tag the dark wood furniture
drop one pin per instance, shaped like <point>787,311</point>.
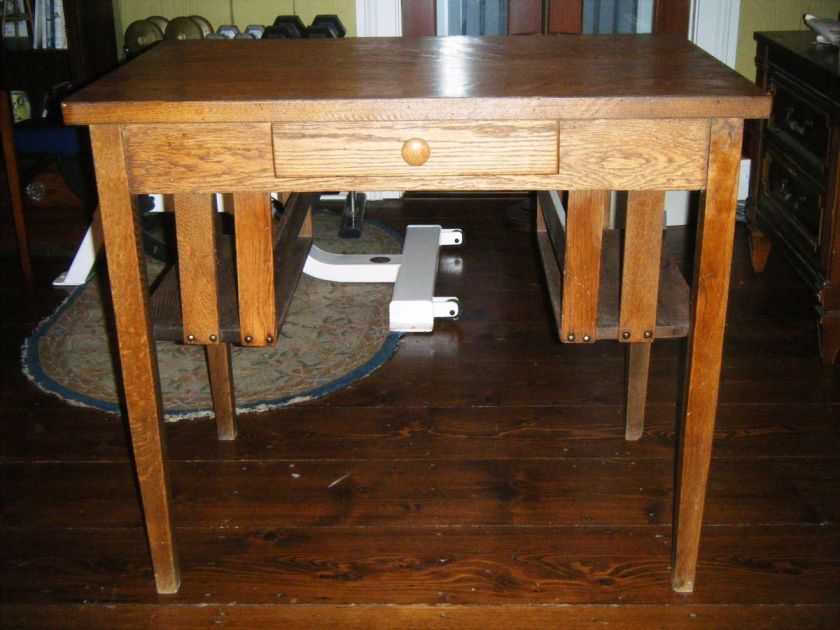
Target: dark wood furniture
<point>91,51</point>
<point>646,113</point>
<point>795,196</point>
<point>15,186</point>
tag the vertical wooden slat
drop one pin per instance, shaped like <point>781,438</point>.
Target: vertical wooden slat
<point>255,268</point>
<point>638,364</point>
<point>640,268</point>
<point>195,229</point>
<point>419,18</point>
<point>525,17</point>
<point>15,190</point>
<point>581,275</point>
<point>220,371</point>
<point>671,16</point>
<point>709,292</point>
<point>565,16</point>
<point>129,288</point>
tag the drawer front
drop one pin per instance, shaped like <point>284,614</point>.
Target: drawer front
<point>799,120</point>
<point>405,148</point>
<point>795,201</point>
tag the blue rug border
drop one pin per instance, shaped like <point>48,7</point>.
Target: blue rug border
<point>32,366</point>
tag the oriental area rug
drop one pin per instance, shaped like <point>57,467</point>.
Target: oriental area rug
<point>333,335</point>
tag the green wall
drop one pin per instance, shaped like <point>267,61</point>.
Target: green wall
<point>239,12</point>
<point>773,15</point>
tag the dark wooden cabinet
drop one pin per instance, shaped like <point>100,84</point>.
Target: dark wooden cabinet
<point>794,205</point>
<point>91,51</point>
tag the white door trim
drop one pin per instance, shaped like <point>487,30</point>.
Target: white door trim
<point>378,18</point>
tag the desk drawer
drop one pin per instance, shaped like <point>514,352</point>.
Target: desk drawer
<point>405,148</point>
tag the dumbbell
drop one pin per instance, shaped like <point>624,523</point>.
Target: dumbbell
<point>160,21</point>
<point>256,30</point>
<point>204,23</point>
<point>182,28</point>
<point>229,31</point>
<point>140,35</point>
<point>291,25</point>
<point>326,26</point>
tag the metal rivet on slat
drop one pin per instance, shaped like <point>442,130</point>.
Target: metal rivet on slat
<point>625,334</point>
<point>213,338</point>
<point>648,334</point>
<point>571,337</point>
<point>190,337</point>
<point>269,339</point>
<point>587,338</point>
<point>249,339</point>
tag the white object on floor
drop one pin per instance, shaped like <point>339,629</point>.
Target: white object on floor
<point>414,306</point>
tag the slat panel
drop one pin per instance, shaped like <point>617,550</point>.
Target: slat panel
<point>255,268</point>
<point>634,154</point>
<point>581,275</point>
<point>455,148</point>
<point>640,271</point>
<point>195,229</point>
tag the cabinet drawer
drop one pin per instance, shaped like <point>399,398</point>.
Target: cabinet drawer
<point>800,120</point>
<point>406,148</point>
<point>795,200</point>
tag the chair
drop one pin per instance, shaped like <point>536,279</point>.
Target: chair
<point>222,291</point>
<point>48,138</point>
<point>603,286</point>
<point>15,186</point>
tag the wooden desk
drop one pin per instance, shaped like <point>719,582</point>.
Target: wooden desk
<point>563,113</point>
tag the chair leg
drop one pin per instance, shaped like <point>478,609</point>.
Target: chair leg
<point>15,188</point>
<point>638,362</point>
<point>221,389</point>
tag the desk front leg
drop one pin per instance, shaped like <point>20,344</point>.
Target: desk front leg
<point>709,294</point>
<point>130,294</point>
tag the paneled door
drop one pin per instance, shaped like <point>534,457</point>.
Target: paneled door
<point>520,17</point>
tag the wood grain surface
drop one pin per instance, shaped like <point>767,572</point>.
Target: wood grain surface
<point>423,78</point>
<point>195,228</point>
<point>374,149</point>
<point>141,385</point>
<point>709,288</point>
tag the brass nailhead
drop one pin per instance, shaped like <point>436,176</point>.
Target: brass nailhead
<point>625,334</point>
<point>648,334</point>
<point>190,337</point>
<point>249,339</point>
<point>587,338</point>
<point>269,339</point>
<point>571,337</point>
<point>213,338</point>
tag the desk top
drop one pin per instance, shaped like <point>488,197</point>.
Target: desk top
<point>436,78</point>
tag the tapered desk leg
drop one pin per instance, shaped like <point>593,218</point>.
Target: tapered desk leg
<point>129,289</point>
<point>715,233</point>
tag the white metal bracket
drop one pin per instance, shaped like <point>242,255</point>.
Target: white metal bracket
<point>414,306</point>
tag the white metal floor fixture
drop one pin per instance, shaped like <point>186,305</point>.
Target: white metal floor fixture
<point>414,306</point>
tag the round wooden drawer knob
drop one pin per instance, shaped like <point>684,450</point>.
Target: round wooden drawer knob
<point>416,151</point>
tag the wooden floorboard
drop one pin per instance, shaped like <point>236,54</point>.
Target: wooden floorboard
<point>478,479</point>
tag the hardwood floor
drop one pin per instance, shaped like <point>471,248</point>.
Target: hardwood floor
<point>485,481</point>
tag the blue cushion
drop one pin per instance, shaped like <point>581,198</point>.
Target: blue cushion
<point>46,139</point>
